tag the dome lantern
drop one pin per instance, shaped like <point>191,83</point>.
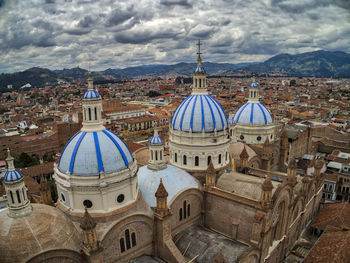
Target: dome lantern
<point>16,191</point>
<point>156,148</point>
<point>199,76</point>
<point>92,109</point>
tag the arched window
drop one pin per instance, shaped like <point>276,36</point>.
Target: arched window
<point>13,201</point>
<point>151,154</point>
<point>184,160</point>
<point>156,152</point>
<point>209,159</point>
<point>330,188</point>
<point>18,197</point>
<point>196,161</point>
<point>127,239</point>
<point>133,239</point>
<point>122,245</point>
<point>189,210</point>
<point>95,113</point>
<point>89,114</point>
<point>185,210</point>
<point>219,161</point>
<point>161,155</point>
<point>23,193</point>
<point>175,157</point>
<point>180,214</point>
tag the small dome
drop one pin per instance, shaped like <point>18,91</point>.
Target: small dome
<point>13,175</point>
<point>199,69</point>
<point>254,84</point>
<point>89,153</point>
<point>91,94</point>
<point>174,180</point>
<point>198,112</point>
<point>156,139</point>
<point>252,113</point>
<point>45,229</point>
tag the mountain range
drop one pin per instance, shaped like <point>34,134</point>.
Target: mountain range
<point>311,64</point>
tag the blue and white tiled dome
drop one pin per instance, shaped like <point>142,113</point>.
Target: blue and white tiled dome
<point>89,153</point>
<point>156,139</point>
<point>198,112</point>
<point>199,69</point>
<point>174,179</point>
<point>253,113</point>
<point>13,175</point>
<point>91,94</point>
<point>254,84</point>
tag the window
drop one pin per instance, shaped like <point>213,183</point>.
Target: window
<point>151,154</point>
<point>120,198</point>
<point>18,197</point>
<point>188,210</point>
<point>156,152</point>
<point>241,137</point>
<point>196,161</point>
<point>87,203</point>
<point>180,214</point>
<point>185,214</point>
<point>63,198</point>
<point>89,114</point>
<point>184,160</point>
<point>258,138</point>
<point>219,161</point>
<point>226,156</point>
<point>126,242</point>
<point>161,155</point>
<point>12,197</point>
<point>175,157</point>
<point>209,159</point>
<point>122,245</point>
<point>95,113</point>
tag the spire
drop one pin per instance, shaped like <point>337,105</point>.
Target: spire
<point>90,82</point>
<point>210,176</point>
<point>199,60</point>
<point>162,204</point>
<point>199,75</point>
<point>10,161</point>
<point>87,222</point>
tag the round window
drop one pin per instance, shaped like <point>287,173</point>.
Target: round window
<point>63,198</point>
<point>258,138</point>
<point>87,203</point>
<point>120,198</point>
<point>241,137</point>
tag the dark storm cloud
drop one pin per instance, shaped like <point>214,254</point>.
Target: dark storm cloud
<point>170,3</point>
<point>118,16</point>
<point>142,37</point>
<point>87,21</point>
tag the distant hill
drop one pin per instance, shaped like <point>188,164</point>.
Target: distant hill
<point>318,64</point>
<point>185,69</point>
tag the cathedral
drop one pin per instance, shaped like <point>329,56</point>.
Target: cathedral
<point>226,192</point>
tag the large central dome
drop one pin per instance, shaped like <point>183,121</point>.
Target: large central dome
<point>89,153</point>
<point>199,112</point>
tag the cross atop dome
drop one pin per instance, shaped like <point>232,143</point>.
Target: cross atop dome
<point>199,60</point>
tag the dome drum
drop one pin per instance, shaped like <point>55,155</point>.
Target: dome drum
<point>102,191</point>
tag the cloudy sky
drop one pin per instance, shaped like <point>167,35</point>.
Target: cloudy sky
<point>103,34</point>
